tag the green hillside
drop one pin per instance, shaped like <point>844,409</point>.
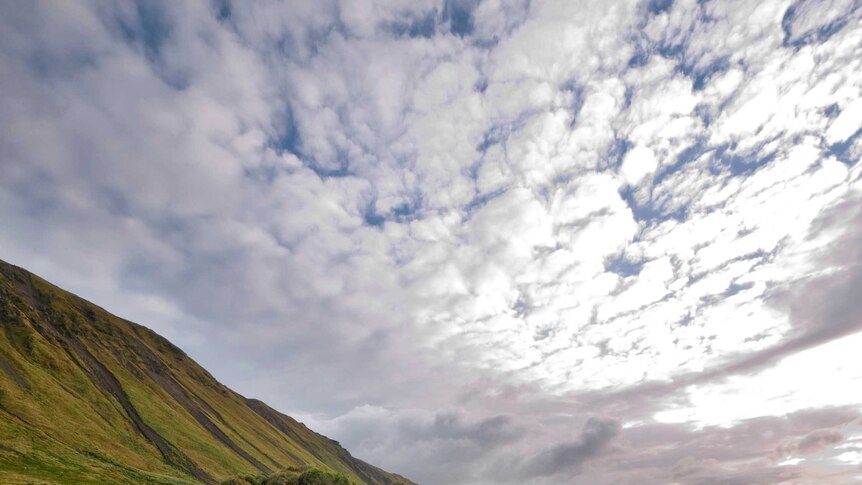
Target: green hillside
<point>89,398</point>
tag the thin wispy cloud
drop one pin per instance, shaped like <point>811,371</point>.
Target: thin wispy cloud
<point>476,241</point>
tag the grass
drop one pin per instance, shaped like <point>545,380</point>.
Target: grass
<point>80,389</point>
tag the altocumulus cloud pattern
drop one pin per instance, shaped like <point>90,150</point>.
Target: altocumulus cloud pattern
<point>478,242</point>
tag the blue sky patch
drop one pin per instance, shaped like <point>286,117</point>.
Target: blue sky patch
<point>650,212</point>
<point>841,150</point>
<point>459,15</point>
<point>149,29</point>
<point>424,26</point>
<point>288,138</point>
<point>741,164</point>
<point>657,7</point>
<point>622,266</point>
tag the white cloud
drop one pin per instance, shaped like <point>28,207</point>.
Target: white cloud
<point>798,382</point>
<point>638,163</point>
<point>846,124</point>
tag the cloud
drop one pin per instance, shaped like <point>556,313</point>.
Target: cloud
<point>464,229</point>
<point>818,440</point>
<point>639,162</point>
<point>806,21</point>
<point>595,437</point>
<point>440,447</point>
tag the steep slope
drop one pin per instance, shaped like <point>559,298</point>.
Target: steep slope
<point>87,397</point>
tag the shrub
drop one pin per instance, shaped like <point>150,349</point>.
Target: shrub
<point>292,476</point>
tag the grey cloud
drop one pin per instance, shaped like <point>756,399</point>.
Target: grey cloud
<point>595,437</point>
<point>745,453</point>
<point>818,440</point>
<point>440,447</point>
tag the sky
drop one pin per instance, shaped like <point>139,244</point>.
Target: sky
<point>476,241</point>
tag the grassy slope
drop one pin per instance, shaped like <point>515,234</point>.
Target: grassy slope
<point>87,397</point>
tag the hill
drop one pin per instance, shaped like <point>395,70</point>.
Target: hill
<point>90,398</point>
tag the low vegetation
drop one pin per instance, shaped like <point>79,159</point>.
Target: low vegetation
<point>89,398</point>
<point>293,476</point>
